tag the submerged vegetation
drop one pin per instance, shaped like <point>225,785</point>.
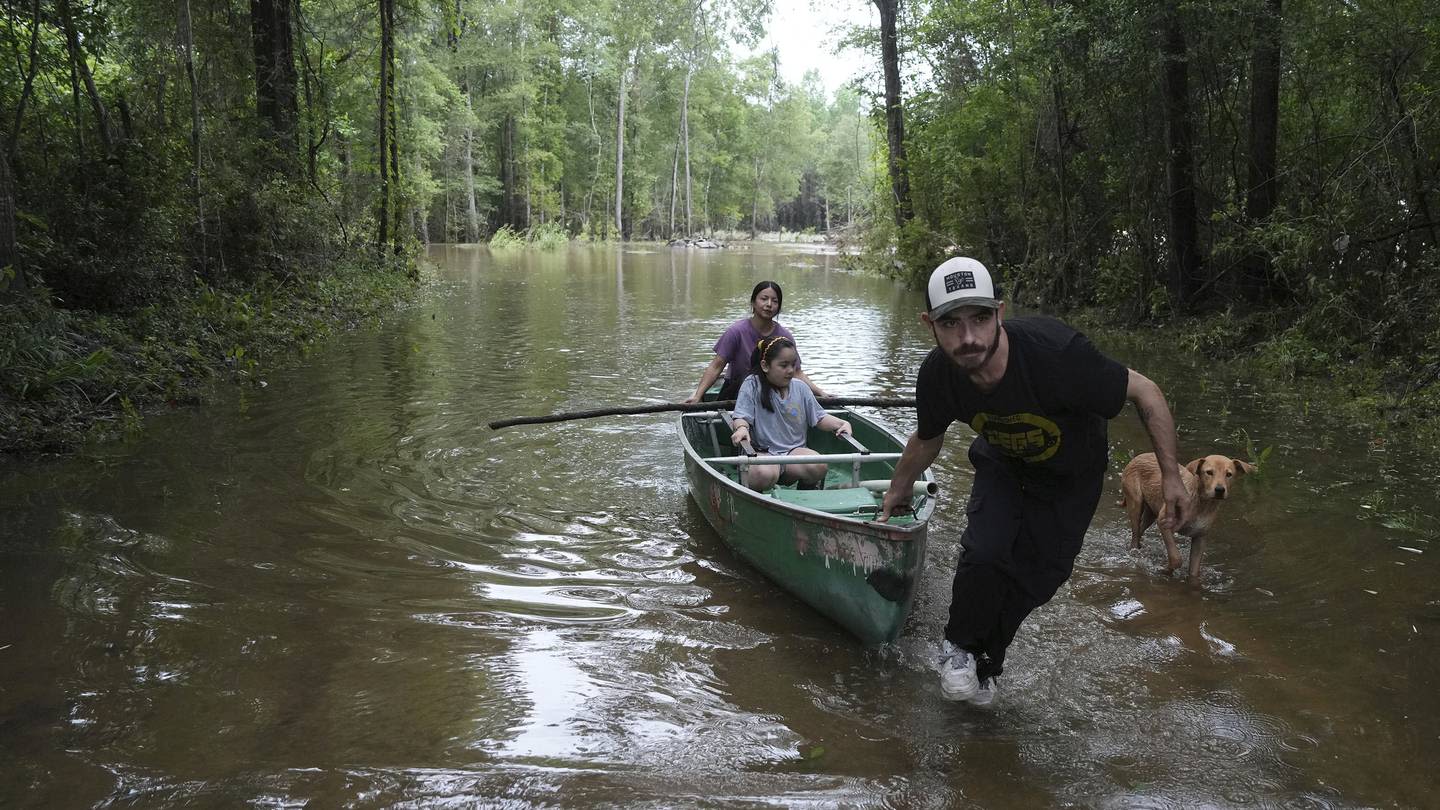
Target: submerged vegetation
<point>67,377</point>
<point>546,236</point>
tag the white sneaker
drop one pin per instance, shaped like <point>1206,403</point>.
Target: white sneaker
<point>985,695</point>
<point>957,673</point>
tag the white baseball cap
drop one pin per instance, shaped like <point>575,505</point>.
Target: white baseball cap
<point>960,282</point>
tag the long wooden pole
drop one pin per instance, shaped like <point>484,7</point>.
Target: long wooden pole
<point>668,407</point>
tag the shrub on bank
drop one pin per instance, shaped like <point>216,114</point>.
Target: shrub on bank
<point>545,236</point>
<point>67,376</point>
<point>506,239</point>
<point>548,236</point>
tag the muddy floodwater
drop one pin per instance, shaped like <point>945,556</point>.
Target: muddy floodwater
<point>343,589</point>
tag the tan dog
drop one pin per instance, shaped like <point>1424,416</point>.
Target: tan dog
<point>1209,481</point>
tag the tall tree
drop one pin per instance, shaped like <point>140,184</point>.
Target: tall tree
<point>272,38</point>
<point>622,97</point>
<point>1261,191</point>
<point>1180,161</point>
<point>685,138</point>
<point>187,59</point>
<point>9,255</point>
<point>894,113</point>
<point>396,198</point>
<point>388,169</point>
<point>80,64</point>
<point>513,206</point>
<point>32,67</point>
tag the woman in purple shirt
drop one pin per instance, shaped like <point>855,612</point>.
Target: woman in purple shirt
<point>735,347</point>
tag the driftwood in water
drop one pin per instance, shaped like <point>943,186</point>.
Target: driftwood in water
<point>666,407</point>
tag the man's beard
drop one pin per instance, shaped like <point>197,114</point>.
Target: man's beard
<point>975,360</point>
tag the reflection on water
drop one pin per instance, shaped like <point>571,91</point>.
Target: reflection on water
<point>345,589</point>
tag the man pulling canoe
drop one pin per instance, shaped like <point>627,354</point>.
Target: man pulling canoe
<point>1037,394</point>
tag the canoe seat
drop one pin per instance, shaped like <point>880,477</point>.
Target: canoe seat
<point>834,501</point>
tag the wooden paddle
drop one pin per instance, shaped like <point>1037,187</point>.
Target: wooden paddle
<point>667,407</point>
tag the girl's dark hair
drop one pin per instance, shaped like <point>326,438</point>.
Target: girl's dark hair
<point>769,285</point>
<point>765,352</point>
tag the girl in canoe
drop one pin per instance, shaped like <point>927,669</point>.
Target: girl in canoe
<point>736,345</point>
<point>781,408</point>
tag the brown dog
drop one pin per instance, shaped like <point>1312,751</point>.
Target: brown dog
<point>1209,480</point>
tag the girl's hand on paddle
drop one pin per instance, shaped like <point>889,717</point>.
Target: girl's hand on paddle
<point>690,400</point>
<point>742,433</point>
<point>844,429</point>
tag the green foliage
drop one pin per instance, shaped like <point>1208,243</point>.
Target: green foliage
<point>545,236</point>
<point>920,251</point>
<point>505,238</point>
<point>1118,282</point>
<point>548,236</point>
<point>66,375</point>
<point>1254,456</point>
<point>1032,146</point>
<point>38,352</point>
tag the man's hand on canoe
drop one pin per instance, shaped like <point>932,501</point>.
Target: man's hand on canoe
<point>897,501</point>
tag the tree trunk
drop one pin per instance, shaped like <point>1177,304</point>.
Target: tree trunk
<point>1263,193</point>
<point>387,67</point>
<point>755,202</point>
<point>187,56</point>
<point>272,41</point>
<point>620,150</point>
<point>674,185</point>
<point>599,155</point>
<point>309,79</point>
<point>859,167</point>
<point>12,144</point>
<point>396,199</point>
<point>509,194</point>
<point>1061,274</point>
<point>705,202</point>
<point>894,113</point>
<point>9,253</point>
<point>419,214</point>
<point>1179,165</point>
<point>685,134</point>
<point>1404,129</point>
<point>81,66</point>
<point>454,18</point>
<point>347,175</point>
<point>472,212</point>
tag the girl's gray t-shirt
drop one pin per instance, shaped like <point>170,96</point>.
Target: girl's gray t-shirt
<point>783,429</point>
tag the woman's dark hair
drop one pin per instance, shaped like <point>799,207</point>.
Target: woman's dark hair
<point>765,352</point>
<point>769,285</point>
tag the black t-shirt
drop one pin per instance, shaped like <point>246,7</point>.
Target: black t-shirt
<point>1046,418</point>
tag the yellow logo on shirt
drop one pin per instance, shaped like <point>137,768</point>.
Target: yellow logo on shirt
<point>1025,436</point>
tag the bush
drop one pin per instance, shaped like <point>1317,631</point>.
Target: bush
<point>549,236</point>
<point>920,251</point>
<point>506,238</point>
<point>67,375</point>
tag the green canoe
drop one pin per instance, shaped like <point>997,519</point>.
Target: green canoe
<point>823,546</point>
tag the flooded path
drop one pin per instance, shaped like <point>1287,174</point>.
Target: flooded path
<point>344,589</point>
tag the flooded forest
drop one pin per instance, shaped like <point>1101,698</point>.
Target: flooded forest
<point>267,268</point>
